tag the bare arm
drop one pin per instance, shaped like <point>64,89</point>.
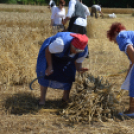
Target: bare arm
<point>79,67</point>
<point>65,20</point>
<point>130,52</point>
<point>101,13</point>
<point>49,69</point>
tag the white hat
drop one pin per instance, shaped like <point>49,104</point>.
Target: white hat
<point>56,46</point>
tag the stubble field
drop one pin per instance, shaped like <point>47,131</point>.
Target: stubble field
<point>22,32</point>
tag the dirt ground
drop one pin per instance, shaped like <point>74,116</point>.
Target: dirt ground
<point>21,36</point>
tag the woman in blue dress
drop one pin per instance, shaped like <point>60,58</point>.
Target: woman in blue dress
<point>125,41</point>
<point>59,58</point>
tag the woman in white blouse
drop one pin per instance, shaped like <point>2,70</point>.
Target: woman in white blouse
<point>57,17</point>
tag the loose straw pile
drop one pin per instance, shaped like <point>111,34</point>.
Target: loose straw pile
<point>95,100</point>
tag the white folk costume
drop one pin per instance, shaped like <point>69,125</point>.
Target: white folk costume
<point>58,15</point>
<point>76,13</point>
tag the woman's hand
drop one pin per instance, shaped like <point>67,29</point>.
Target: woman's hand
<point>83,70</point>
<point>65,20</point>
<point>130,52</point>
<point>49,71</point>
<point>79,67</point>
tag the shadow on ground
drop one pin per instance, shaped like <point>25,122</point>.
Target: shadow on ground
<point>25,103</point>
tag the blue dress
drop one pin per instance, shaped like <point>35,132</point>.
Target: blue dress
<point>124,39</point>
<point>63,64</point>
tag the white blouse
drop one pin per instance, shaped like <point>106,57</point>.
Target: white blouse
<point>58,15</point>
<point>71,8</point>
<point>52,8</point>
<point>98,8</point>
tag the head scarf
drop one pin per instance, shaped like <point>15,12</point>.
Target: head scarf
<point>80,41</point>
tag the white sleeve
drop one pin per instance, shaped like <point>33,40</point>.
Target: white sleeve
<point>87,12</point>
<point>71,8</point>
<point>56,46</point>
<point>64,13</point>
<point>50,3</point>
<point>81,59</point>
<point>54,11</point>
<point>99,8</point>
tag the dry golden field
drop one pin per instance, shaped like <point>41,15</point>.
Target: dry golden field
<point>22,32</point>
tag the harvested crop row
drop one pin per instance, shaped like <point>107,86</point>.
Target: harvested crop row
<point>95,100</point>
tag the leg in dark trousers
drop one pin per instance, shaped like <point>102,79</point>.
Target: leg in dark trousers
<point>96,16</point>
<point>93,10</point>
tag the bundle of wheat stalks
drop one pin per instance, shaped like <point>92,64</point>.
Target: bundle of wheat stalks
<point>95,100</point>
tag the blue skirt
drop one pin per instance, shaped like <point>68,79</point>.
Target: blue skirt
<point>53,84</point>
<point>63,75</point>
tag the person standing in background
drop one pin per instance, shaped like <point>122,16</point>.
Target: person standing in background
<point>76,15</point>
<point>52,5</point>
<point>57,17</point>
<point>95,9</point>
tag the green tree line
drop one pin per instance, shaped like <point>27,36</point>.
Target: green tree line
<point>89,3</point>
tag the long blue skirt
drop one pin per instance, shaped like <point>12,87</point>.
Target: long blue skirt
<point>63,75</point>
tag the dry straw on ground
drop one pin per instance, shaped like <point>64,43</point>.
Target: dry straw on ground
<point>118,10</point>
<point>22,34</point>
<point>23,8</point>
<point>94,100</point>
<point>20,45</point>
<point>105,16</point>
<point>21,40</point>
<point>97,28</point>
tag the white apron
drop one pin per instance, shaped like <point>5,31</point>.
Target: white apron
<point>126,83</point>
